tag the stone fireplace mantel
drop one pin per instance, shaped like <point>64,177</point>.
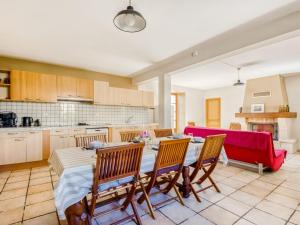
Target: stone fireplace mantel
<point>267,115</point>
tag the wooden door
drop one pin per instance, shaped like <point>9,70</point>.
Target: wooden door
<point>84,88</point>
<point>66,87</point>
<point>34,146</point>
<point>213,112</point>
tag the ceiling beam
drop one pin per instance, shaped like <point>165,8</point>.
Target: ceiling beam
<point>275,26</point>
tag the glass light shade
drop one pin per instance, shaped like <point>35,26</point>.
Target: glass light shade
<point>130,20</point>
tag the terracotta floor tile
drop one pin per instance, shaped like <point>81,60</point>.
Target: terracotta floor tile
<point>39,197</point>
<point>18,179</point>
<point>4,175</point>
<point>176,212</point>
<point>234,206</point>
<point>13,194</point>
<point>255,190</point>
<point>11,216</point>
<point>271,180</point>
<point>245,198</point>
<point>219,216</point>
<point>37,181</point>
<point>159,219</point>
<point>39,209</point>
<point>295,218</point>
<point>40,169</point>
<point>225,189</point>
<point>259,217</point>
<point>49,219</point>
<point>233,183</point>
<point>3,180</point>
<point>9,204</point>
<point>197,219</point>
<point>39,188</point>
<point>243,222</point>
<point>211,196</point>
<point>18,173</point>
<point>283,200</point>
<point>17,185</point>
<point>275,209</point>
<point>40,175</point>
<point>196,206</point>
<point>288,192</point>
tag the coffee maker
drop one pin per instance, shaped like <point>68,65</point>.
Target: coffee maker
<point>8,119</point>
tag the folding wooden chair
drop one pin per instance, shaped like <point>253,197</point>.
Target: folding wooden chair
<point>117,169</point>
<point>167,169</point>
<point>84,140</point>
<point>163,132</point>
<point>207,162</point>
<point>128,136</point>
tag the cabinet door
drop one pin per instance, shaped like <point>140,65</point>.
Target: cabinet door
<point>101,92</point>
<point>132,98</point>
<point>66,87</point>
<point>31,86</point>
<point>71,141</point>
<point>58,142</point>
<point>47,91</point>
<point>34,146</point>
<point>148,99</point>
<point>13,151</point>
<point>17,80</point>
<point>85,88</point>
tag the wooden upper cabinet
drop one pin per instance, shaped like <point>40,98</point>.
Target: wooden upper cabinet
<point>30,86</point>
<point>101,92</point>
<point>47,90</point>
<point>148,99</point>
<point>75,88</point>
<point>85,88</point>
<point>66,87</point>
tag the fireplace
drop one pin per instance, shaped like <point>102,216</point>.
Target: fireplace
<point>267,127</point>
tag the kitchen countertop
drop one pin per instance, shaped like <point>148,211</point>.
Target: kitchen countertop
<point>41,128</point>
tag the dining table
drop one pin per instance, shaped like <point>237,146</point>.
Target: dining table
<point>75,168</point>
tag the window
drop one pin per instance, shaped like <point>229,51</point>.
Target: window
<point>174,104</point>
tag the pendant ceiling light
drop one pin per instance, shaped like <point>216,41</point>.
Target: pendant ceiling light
<point>129,20</point>
<point>238,82</point>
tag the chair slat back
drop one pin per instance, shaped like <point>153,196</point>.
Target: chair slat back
<point>211,149</point>
<point>114,163</point>
<point>163,132</point>
<point>235,126</point>
<point>83,140</point>
<point>128,136</point>
<point>171,153</point>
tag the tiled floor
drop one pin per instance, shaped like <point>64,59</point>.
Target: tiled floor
<point>246,198</point>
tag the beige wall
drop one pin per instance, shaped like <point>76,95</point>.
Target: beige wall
<point>274,84</point>
<point>7,63</point>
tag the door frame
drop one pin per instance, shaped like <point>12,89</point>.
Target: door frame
<point>206,106</point>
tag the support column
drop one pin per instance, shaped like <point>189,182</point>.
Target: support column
<point>164,101</point>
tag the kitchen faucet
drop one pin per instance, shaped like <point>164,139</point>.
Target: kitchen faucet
<point>128,120</point>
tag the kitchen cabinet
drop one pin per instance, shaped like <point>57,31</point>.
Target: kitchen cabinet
<point>30,86</point>
<point>34,146</point>
<point>58,142</point>
<point>101,93</point>
<point>75,88</point>
<point>20,147</point>
<point>148,99</point>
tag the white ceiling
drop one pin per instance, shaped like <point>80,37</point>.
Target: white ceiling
<point>80,33</point>
<point>279,58</point>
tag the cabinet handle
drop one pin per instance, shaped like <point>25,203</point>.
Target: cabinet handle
<point>18,139</point>
<point>12,133</point>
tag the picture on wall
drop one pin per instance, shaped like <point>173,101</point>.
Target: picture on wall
<point>258,108</point>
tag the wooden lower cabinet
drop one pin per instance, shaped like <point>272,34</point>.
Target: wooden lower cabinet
<point>21,147</point>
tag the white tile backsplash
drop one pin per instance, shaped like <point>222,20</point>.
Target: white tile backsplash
<point>71,113</point>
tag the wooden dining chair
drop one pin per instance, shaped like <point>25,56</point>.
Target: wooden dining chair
<point>235,126</point>
<point>191,123</point>
<point>83,140</point>
<point>128,136</point>
<point>207,162</point>
<point>163,132</point>
<point>117,169</point>
<point>168,165</point>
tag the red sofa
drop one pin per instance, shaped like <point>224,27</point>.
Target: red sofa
<point>246,146</point>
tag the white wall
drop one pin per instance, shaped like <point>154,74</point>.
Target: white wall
<point>293,92</point>
<point>193,105</point>
<point>231,100</point>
